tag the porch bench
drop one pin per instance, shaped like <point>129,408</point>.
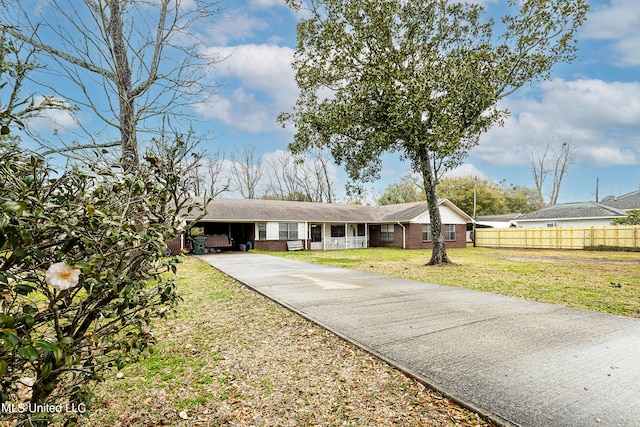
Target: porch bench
<point>218,241</point>
<point>295,245</point>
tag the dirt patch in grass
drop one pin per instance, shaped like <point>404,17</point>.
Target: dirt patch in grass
<point>233,358</point>
<point>563,259</point>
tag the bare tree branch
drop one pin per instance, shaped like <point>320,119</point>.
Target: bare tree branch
<point>552,160</point>
<point>129,60</point>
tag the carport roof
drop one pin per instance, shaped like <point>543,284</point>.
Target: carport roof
<point>253,210</point>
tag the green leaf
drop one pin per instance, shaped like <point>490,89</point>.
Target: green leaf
<point>30,353</point>
<point>46,369</point>
<point>13,206</point>
<point>10,340</point>
<point>7,321</point>
<point>45,345</point>
<point>29,309</point>
<point>29,321</point>
<point>66,340</point>
<point>24,289</point>
<point>58,354</point>
<point>18,254</point>
<point>57,418</point>
<point>4,367</point>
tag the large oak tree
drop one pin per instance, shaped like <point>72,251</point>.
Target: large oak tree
<point>421,78</point>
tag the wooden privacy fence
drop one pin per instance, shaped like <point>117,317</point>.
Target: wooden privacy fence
<point>559,237</point>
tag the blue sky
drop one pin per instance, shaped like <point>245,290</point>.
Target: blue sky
<point>595,100</point>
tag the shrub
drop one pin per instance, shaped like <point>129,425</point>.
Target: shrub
<point>83,272</point>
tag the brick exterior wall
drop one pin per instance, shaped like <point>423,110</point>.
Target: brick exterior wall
<point>174,245</point>
<point>273,245</point>
<point>414,237</point>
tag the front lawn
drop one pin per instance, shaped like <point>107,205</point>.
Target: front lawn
<point>231,357</point>
<point>607,282</point>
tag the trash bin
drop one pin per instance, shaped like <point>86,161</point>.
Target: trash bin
<point>249,245</point>
<point>199,245</point>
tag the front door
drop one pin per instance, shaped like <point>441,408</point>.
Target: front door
<point>316,236</point>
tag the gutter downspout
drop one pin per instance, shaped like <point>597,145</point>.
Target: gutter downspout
<point>404,235</point>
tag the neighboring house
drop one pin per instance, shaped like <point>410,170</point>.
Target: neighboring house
<point>270,224</point>
<point>497,221</point>
<point>626,202</point>
<point>571,214</point>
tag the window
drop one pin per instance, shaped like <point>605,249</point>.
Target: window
<point>387,233</point>
<point>449,232</point>
<point>337,231</point>
<point>426,233</point>
<point>262,231</point>
<point>361,230</point>
<point>288,230</point>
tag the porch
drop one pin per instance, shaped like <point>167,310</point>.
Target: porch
<point>332,236</point>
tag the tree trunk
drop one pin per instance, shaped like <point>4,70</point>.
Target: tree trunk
<point>124,84</point>
<point>439,252</point>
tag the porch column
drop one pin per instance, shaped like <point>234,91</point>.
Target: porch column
<point>366,235</point>
<point>346,235</point>
<point>324,236</point>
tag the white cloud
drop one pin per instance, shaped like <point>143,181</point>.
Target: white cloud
<point>52,120</point>
<point>265,4</point>
<point>465,169</point>
<point>239,110</point>
<point>236,25</point>
<point>595,114</point>
<point>267,83</point>
<point>266,68</point>
<point>617,22</point>
<point>610,155</point>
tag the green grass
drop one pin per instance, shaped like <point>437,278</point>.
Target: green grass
<point>231,357</point>
<point>606,282</point>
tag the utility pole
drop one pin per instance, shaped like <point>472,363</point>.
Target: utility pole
<point>475,215</point>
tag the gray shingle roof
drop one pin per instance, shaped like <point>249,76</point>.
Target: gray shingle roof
<point>251,210</point>
<point>573,210</point>
<point>626,201</point>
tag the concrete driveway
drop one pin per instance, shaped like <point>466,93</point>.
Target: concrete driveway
<point>518,362</point>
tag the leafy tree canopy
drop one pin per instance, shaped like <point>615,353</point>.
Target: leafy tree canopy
<point>421,78</point>
<point>633,218</point>
<point>405,191</point>
<point>492,198</point>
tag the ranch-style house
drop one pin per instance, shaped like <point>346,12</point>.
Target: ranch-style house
<point>275,225</point>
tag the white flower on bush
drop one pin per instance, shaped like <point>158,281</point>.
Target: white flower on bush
<point>61,276</point>
<point>25,388</point>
